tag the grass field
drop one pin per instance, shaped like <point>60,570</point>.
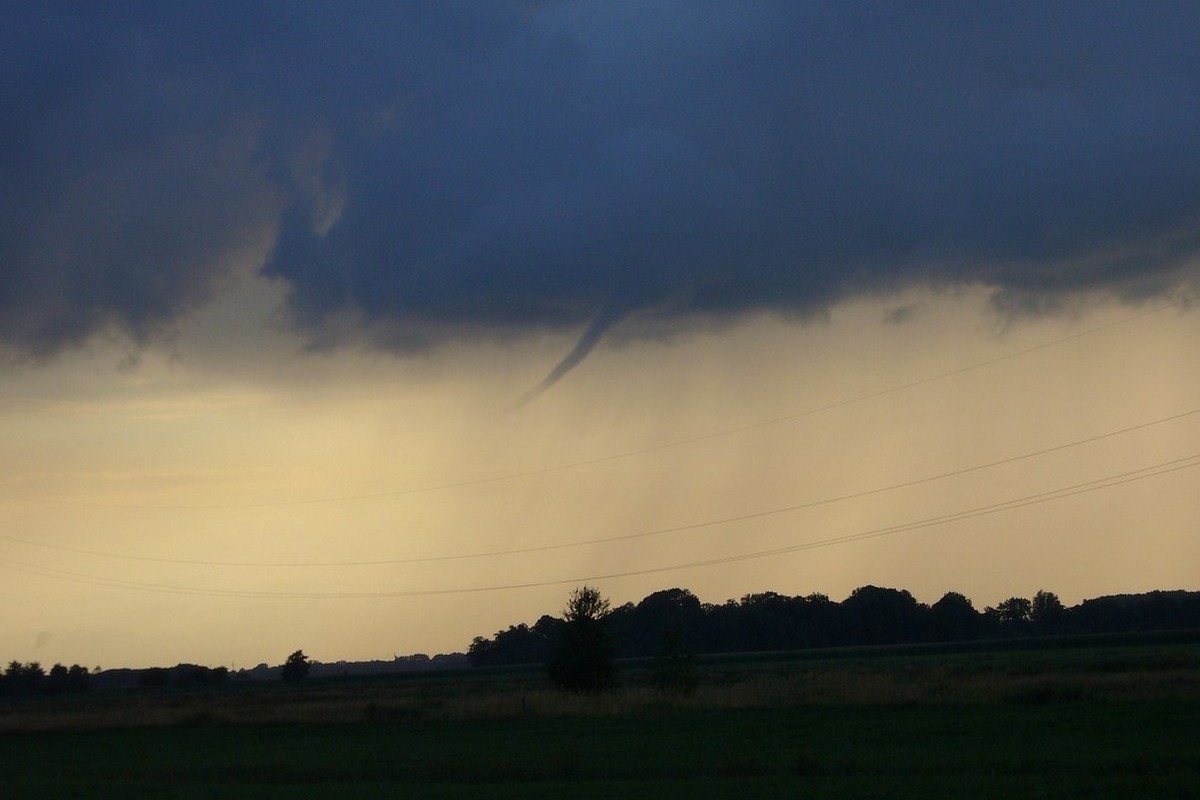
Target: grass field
<point>1117,722</point>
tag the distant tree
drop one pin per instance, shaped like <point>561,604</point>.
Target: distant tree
<point>547,626</point>
<point>990,618</point>
<point>24,678</point>
<point>296,667</point>
<point>954,618</point>
<point>1015,612</point>
<point>1151,611</point>
<point>582,657</point>
<point>1047,611</point>
<point>875,615</point>
<point>480,651</point>
<point>519,644</point>
<point>639,630</point>
<point>57,679</point>
<point>764,621</point>
<point>31,678</point>
<point>77,678</point>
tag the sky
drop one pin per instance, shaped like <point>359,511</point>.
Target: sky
<point>370,330</point>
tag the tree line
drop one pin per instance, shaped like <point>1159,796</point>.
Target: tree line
<point>675,619</point>
<point>20,680</point>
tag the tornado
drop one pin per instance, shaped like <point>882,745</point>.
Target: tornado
<point>587,342</point>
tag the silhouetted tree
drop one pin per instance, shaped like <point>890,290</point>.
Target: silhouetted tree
<point>77,678</point>
<point>32,677</point>
<point>1046,611</point>
<point>582,657</point>
<point>639,630</point>
<point>771,621</point>
<point>24,679</point>
<point>57,679</point>
<point>1014,612</point>
<point>820,617</point>
<point>296,667</point>
<point>519,644</point>
<point>767,622</point>
<point>875,615</point>
<point>954,618</point>
<point>1159,610</point>
<point>27,679</point>
<point>481,651</point>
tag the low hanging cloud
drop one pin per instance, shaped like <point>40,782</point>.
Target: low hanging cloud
<point>454,170</point>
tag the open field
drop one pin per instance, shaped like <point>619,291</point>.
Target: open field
<point>1105,722</point>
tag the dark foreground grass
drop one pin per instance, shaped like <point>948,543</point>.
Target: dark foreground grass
<point>1052,748</point>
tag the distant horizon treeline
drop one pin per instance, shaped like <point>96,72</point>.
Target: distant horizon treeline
<point>676,619</point>
<point>193,676</point>
<point>20,680</point>
<point>417,662</point>
<point>871,615</point>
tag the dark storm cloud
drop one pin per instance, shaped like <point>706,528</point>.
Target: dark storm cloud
<point>435,170</point>
<point>125,186</point>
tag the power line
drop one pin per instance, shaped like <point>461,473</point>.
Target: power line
<point>616,538</point>
<point>1108,482</point>
<point>509,476</point>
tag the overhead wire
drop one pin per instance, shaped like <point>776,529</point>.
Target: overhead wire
<point>562,467</point>
<point>1107,482</point>
<point>614,538</point>
<point>1102,483</point>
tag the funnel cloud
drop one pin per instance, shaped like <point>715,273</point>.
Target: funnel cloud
<point>587,342</point>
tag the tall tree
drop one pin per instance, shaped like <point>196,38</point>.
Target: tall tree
<point>582,656</point>
<point>1046,611</point>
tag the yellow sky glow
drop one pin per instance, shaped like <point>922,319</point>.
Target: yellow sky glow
<point>164,465</point>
